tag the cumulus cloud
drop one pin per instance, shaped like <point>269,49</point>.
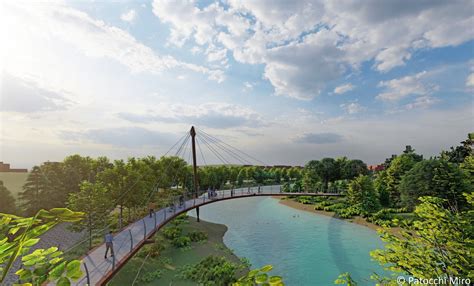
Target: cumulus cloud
<point>320,138</point>
<point>305,44</point>
<point>27,95</point>
<point>352,107</point>
<point>214,115</point>
<point>399,88</point>
<point>129,16</point>
<point>343,88</point>
<point>97,39</point>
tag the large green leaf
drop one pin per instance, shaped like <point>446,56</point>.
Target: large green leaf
<point>261,278</point>
<point>74,269</point>
<point>63,282</point>
<point>266,268</point>
<point>275,280</point>
<point>57,271</point>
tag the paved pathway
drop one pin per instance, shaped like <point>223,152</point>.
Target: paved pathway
<point>128,241</point>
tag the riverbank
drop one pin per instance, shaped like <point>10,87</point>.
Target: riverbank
<point>164,269</point>
<point>310,208</point>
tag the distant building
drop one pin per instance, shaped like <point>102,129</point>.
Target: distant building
<point>375,168</point>
<point>6,168</point>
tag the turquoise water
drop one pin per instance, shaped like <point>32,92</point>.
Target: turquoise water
<point>304,248</point>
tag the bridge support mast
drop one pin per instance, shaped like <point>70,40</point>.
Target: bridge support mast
<point>192,132</point>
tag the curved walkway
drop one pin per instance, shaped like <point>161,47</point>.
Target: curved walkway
<point>98,271</point>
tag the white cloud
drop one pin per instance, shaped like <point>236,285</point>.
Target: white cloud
<point>324,39</point>
<point>352,107</point>
<point>247,86</point>
<point>470,80</point>
<point>94,38</point>
<point>212,114</point>
<point>129,16</point>
<point>217,55</point>
<point>422,102</point>
<point>343,88</point>
<point>397,89</point>
<point>29,95</point>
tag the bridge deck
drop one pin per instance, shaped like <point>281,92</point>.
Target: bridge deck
<point>130,239</point>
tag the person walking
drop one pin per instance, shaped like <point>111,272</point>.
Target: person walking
<point>181,201</point>
<point>151,207</point>
<point>109,244</point>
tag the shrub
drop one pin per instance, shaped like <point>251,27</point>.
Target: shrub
<point>181,242</point>
<point>212,270</point>
<point>150,276</point>
<point>348,212</point>
<point>196,236</point>
<point>181,219</point>
<point>172,232</point>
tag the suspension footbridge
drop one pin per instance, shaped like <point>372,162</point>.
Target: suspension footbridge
<point>98,270</point>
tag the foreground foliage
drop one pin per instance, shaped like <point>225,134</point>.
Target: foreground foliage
<point>438,244</point>
<point>212,270</point>
<point>260,277</point>
<point>19,234</point>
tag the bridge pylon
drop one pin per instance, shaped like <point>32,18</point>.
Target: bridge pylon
<point>192,132</point>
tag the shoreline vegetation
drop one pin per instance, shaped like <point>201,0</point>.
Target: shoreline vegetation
<point>167,265</point>
<point>310,208</point>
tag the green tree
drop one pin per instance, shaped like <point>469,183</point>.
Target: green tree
<point>327,170</point>
<point>77,169</point>
<point>468,167</point>
<point>241,177</point>
<point>54,194</point>
<point>434,177</point>
<point>258,175</point>
<point>122,180</point>
<point>31,197</point>
<point>297,187</point>
<point>362,193</point>
<point>353,168</point>
<point>93,200</point>
<point>381,186</point>
<point>7,203</point>
<point>398,167</point>
<point>459,153</point>
<point>276,175</point>
<point>438,243</point>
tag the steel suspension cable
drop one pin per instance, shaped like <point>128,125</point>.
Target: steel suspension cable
<point>227,150</point>
<point>200,150</point>
<point>122,195</point>
<point>208,145</point>
<point>234,148</point>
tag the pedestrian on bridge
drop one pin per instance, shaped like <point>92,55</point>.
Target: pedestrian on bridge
<point>151,207</point>
<point>109,244</point>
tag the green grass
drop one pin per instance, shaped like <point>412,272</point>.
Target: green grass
<point>13,181</point>
<point>171,259</point>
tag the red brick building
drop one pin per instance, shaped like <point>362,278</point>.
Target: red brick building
<point>6,168</point>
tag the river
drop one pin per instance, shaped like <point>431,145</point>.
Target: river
<point>305,248</point>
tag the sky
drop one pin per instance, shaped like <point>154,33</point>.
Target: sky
<point>285,81</point>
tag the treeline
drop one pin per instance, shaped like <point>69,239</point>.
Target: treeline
<point>331,175</point>
<point>129,183</point>
<point>397,187</point>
